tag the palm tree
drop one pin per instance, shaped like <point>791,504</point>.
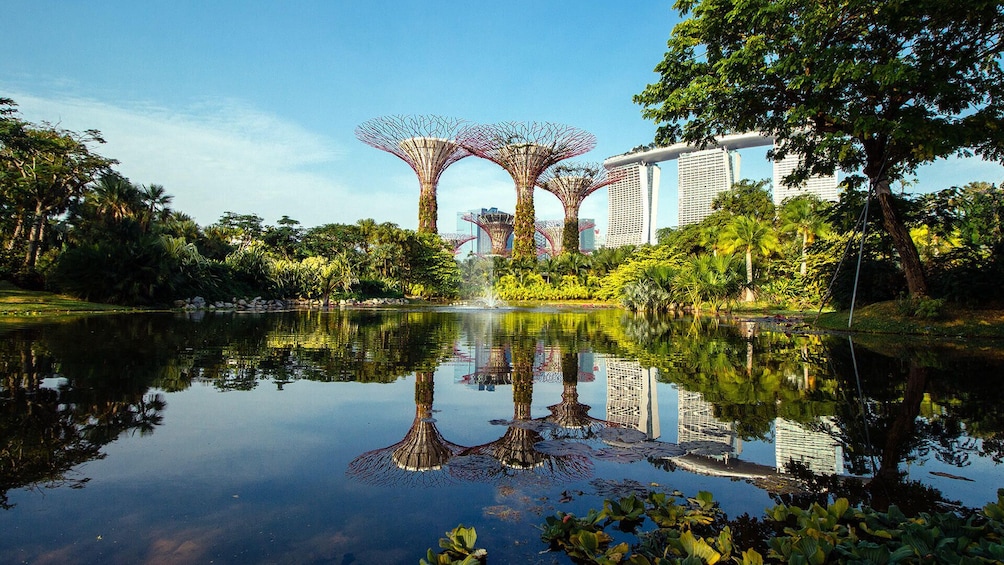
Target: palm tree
<point>156,199</point>
<point>751,236</point>
<point>801,216</point>
<point>116,198</point>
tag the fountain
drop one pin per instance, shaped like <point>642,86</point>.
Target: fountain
<point>478,284</point>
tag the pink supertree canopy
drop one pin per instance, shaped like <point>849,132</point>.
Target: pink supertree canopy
<point>427,143</point>
<point>572,183</point>
<point>525,150</point>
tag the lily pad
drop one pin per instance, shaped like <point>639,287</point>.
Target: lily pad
<point>622,435</point>
<point>660,450</point>
<point>618,455</point>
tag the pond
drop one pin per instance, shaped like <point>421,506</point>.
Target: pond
<point>363,436</point>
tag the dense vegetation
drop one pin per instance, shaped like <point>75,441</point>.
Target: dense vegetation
<point>70,223</point>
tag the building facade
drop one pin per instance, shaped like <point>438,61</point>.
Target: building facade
<point>632,399</point>
<point>632,206</point>
<point>703,175</point>
<point>825,187</point>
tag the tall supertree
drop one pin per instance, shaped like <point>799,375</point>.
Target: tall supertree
<point>572,183</point>
<point>498,225</point>
<point>525,151</point>
<point>427,143</point>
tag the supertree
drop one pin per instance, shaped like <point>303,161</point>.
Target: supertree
<point>416,460</point>
<point>553,233</point>
<point>457,240</point>
<point>572,183</point>
<point>525,151</point>
<point>498,225</point>
<point>427,144</point>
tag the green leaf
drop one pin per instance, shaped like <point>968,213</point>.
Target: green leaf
<point>699,548</point>
<point>751,557</point>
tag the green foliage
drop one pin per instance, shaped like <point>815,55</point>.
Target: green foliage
<point>634,268</point>
<point>922,307</point>
<point>847,85</point>
<point>457,549</point>
<point>697,532</point>
<point>747,198</point>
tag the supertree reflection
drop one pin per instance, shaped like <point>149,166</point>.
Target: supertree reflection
<point>570,418</point>
<point>513,455</point>
<point>416,460</point>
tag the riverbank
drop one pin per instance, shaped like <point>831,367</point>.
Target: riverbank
<point>888,318</point>
<point>880,318</point>
<point>17,302</point>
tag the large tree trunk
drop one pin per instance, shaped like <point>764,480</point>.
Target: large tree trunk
<point>523,245</point>
<point>900,431</point>
<point>34,237</point>
<point>570,231</point>
<point>916,282</point>
<point>17,232</point>
<point>428,208</point>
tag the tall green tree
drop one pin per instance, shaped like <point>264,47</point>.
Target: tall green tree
<point>802,216</point>
<point>43,170</point>
<point>747,198</point>
<point>752,237</point>
<point>880,86</point>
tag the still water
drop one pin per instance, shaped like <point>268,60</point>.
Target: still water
<point>363,436</point>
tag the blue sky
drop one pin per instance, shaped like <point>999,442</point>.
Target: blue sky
<point>251,106</point>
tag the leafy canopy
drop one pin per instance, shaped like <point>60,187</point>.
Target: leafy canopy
<point>878,85</point>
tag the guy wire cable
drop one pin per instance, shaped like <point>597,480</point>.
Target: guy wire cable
<point>861,252</point>
<point>864,407</point>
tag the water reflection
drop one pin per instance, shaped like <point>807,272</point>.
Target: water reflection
<point>419,458</point>
<point>598,396</point>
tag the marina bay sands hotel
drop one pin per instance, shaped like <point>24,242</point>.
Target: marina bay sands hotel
<point>633,201</point>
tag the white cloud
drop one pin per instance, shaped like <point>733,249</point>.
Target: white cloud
<point>215,156</point>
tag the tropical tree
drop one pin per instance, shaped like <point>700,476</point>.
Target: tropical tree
<point>157,200</point>
<point>870,85</point>
<point>747,198</point>
<point>750,236</point>
<point>801,216</point>
<point>43,170</point>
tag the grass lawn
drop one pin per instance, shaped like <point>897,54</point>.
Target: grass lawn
<point>16,302</point>
<point>886,318</point>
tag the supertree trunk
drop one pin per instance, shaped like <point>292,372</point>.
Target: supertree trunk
<point>523,245</point>
<point>525,151</point>
<point>570,233</point>
<point>428,208</point>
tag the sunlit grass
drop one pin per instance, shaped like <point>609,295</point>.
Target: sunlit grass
<point>887,317</point>
<point>16,302</point>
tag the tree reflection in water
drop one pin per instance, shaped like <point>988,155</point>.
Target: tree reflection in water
<point>50,429</point>
<point>571,418</point>
<point>70,388</point>
<point>416,460</point>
